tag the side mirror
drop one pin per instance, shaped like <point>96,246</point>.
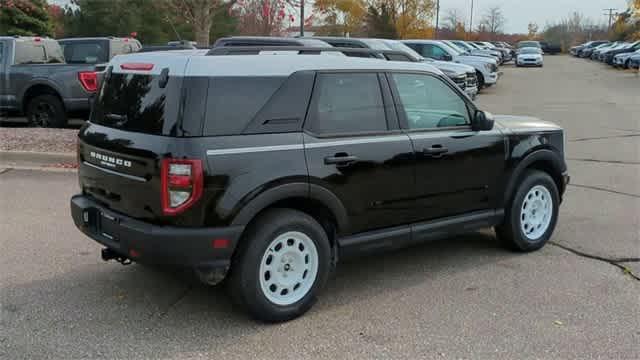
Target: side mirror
<point>482,121</point>
<point>447,57</point>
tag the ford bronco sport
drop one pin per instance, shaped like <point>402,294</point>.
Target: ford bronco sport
<point>267,169</point>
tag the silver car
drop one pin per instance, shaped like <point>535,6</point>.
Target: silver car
<point>529,56</point>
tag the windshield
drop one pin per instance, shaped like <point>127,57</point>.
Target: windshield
<point>376,44</point>
<point>524,44</point>
<point>398,46</point>
<point>314,43</point>
<point>452,49</point>
<point>463,45</point>
<point>529,51</point>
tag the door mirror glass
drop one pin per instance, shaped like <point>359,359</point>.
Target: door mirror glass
<point>482,121</point>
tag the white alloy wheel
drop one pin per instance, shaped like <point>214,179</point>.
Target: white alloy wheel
<point>288,268</point>
<point>536,212</point>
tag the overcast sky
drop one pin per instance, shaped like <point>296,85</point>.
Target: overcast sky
<point>519,13</point>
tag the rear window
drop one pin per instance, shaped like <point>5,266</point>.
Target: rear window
<point>135,102</point>
<point>77,52</point>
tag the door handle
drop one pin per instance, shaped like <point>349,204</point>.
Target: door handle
<point>435,151</point>
<point>340,160</point>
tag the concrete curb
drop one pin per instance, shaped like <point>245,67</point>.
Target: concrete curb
<point>35,159</point>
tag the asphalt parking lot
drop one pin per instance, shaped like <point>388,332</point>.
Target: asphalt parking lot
<point>459,298</point>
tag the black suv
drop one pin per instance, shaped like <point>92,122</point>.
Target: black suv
<point>267,169</point>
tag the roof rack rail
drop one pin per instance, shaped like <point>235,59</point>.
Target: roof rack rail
<point>304,50</point>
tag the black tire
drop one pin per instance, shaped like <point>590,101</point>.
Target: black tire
<point>510,232</point>
<point>480,79</point>
<point>244,279</point>
<point>46,111</point>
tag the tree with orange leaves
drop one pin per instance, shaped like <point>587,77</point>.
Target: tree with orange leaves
<point>342,17</point>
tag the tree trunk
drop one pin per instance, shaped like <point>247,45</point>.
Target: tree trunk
<point>202,27</point>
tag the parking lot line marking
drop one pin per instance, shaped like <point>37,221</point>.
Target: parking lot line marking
<point>606,190</point>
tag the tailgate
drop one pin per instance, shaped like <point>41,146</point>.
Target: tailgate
<point>135,123</point>
<point>122,169</point>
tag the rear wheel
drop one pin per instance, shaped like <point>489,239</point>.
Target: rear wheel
<point>283,264</point>
<point>46,111</point>
<point>532,214</point>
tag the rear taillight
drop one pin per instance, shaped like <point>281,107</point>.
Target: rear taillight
<point>181,182</point>
<point>89,80</point>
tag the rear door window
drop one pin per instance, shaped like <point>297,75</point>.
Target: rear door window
<point>347,103</point>
<point>29,53</point>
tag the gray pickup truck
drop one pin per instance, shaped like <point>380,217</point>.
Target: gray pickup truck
<point>36,81</point>
<point>49,81</point>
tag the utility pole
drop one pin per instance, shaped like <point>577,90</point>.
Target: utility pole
<point>611,14</point>
<point>471,20</point>
<point>437,18</point>
<point>302,18</point>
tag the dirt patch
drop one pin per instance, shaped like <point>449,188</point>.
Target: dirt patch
<point>37,139</point>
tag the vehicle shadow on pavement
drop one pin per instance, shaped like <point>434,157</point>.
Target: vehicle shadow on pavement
<point>98,303</point>
<point>381,273</point>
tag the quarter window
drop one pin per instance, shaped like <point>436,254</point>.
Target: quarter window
<point>430,103</point>
<point>347,103</point>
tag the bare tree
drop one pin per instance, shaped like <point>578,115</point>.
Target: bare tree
<point>198,13</point>
<point>493,21</point>
<point>452,18</point>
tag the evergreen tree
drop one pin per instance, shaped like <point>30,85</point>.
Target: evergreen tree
<point>25,17</point>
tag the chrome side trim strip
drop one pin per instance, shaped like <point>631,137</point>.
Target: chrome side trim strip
<point>255,149</point>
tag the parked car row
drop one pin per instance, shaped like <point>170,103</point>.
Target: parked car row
<point>49,81</point>
<point>617,53</point>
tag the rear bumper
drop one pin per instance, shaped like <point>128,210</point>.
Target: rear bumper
<point>147,243</point>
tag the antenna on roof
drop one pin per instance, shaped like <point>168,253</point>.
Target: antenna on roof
<point>174,28</point>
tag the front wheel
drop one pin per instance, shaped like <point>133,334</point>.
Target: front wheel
<point>283,264</point>
<point>531,216</point>
<point>480,79</point>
